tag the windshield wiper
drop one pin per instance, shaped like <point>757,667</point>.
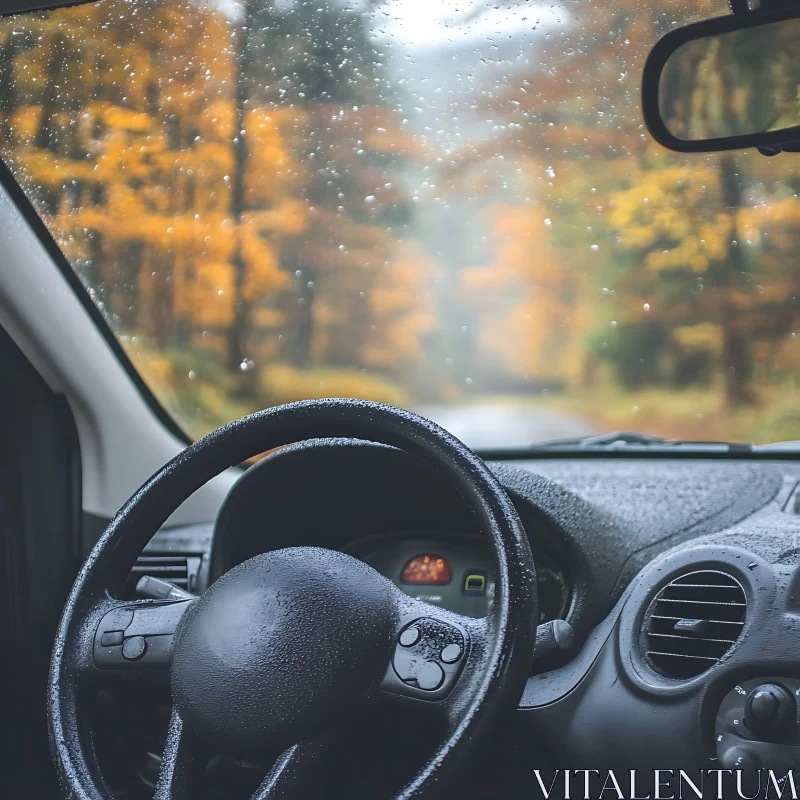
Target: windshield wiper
<point>610,439</point>
<point>629,440</point>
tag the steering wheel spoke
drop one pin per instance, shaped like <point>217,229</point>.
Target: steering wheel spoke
<point>126,640</point>
<point>291,771</point>
<point>178,762</point>
<point>436,654</point>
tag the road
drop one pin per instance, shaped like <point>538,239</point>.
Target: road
<point>489,425</point>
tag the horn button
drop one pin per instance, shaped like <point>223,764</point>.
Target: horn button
<point>279,646</point>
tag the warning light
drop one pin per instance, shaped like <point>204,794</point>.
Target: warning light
<point>426,568</point>
<point>475,583</point>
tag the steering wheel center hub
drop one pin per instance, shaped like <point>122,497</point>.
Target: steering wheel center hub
<point>279,646</point>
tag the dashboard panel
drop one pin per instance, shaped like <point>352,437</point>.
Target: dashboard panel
<point>608,535</point>
<point>455,571</point>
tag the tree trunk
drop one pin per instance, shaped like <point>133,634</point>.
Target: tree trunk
<point>738,366</point>
<point>301,339</point>
<point>736,350</point>
<point>8,99</point>
<point>47,135</point>
<point>237,335</point>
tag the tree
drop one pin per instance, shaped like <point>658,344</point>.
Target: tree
<point>660,236</point>
<point>221,185</point>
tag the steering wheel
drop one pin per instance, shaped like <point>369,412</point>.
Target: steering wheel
<point>285,643</point>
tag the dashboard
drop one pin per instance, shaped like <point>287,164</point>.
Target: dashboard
<point>679,577</point>
<point>378,504</point>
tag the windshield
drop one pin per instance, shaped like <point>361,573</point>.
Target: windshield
<point>452,207</point>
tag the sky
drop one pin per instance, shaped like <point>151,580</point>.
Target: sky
<point>421,23</point>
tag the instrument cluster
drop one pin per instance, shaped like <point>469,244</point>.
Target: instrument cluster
<point>455,572</point>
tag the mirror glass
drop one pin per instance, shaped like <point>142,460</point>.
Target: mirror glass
<point>733,84</point>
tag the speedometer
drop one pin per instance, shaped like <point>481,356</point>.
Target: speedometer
<point>552,589</point>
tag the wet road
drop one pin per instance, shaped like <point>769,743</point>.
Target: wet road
<point>498,426</point>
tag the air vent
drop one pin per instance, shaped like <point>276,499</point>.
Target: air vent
<point>180,569</point>
<point>692,623</point>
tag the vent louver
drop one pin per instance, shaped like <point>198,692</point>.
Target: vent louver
<point>692,623</point>
<point>179,569</point>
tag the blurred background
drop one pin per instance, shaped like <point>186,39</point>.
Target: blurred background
<point>452,207</point>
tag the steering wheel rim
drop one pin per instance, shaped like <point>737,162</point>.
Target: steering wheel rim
<point>495,667</point>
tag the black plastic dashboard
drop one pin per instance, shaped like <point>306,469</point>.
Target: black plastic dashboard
<point>607,536</point>
<point>592,525</point>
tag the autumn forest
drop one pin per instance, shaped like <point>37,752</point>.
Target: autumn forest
<point>273,200</point>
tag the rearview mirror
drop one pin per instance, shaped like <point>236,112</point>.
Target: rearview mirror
<point>727,83</point>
